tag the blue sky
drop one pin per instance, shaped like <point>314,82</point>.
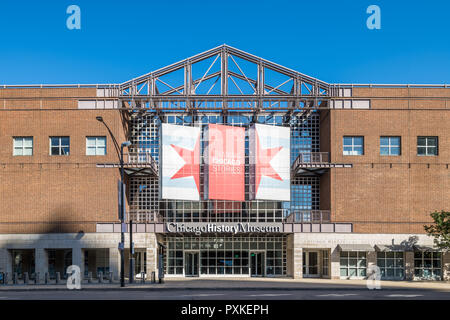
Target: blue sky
<point>120,40</point>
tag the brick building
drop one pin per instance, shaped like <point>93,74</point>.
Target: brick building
<point>368,164</point>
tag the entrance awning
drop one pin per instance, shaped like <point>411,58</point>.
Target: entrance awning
<point>426,248</point>
<point>355,247</point>
<point>391,247</point>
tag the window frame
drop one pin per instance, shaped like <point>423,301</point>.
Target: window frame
<point>353,146</point>
<point>383,256</point>
<point>22,148</point>
<point>360,256</point>
<point>390,146</point>
<point>427,146</point>
<point>59,146</point>
<point>96,146</point>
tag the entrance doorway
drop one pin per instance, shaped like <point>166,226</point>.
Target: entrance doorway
<point>257,259</point>
<point>140,267</point>
<point>191,263</point>
<point>311,264</point>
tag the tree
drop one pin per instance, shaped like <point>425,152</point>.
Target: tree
<point>440,230</point>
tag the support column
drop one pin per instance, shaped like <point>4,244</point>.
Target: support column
<point>409,265</point>
<point>289,255</point>
<point>78,259</point>
<point>114,262</point>
<point>298,259</point>
<point>446,266</point>
<point>335,263</point>
<point>5,261</point>
<point>41,257</point>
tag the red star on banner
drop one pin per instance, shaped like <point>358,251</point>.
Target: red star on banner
<point>263,158</point>
<point>191,167</point>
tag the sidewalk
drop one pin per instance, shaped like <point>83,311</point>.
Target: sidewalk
<point>242,284</point>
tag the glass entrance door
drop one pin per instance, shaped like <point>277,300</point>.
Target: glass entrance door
<point>191,264</point>
<point>310,264</point>
<point>257,264</point>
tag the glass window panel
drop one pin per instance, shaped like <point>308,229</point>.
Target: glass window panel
<point>28,142</point>
<point>399,273</point>
<point>352,262</point>
<point>358,141</point>
<point>418,272</point>
<point>421,141</point>
<point>384,151</point>
<point>90,151</point>
<point>27,152</point>
<point>65,141</point>
<point>390,272</point>
<point>358,151</point>
<point>390,255</point>
<point>380,263</point>
<point>90,141</point>
<point>362,272</point>
<point>348,141</point>
<point>352,272</point>
<point>384,141</point>
<point>395,151</point>
<point>432,151</point>
<point>344,272</point>
<point>436,263</point>
<point>55,151</point>
<point>18,152</point>
<point>54,141</point>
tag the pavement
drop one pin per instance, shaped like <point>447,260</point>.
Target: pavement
<point>247,284</point>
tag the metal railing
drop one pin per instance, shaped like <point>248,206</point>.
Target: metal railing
<point>144,216</point>
<point>309,216</point>
<point>137,158</point>
<point>312,157</point>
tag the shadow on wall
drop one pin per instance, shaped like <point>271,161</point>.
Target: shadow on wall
<point>46,251</point>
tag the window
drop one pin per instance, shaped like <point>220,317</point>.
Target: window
<point>427,265</point>
<point>427,146</point>
<point>391,265</point>
<point>353,146</point>
<point>353,264</point>
<point>390,146</point>
<point>95,146</point>
<point>22,146</point>
<point>325,262</point>
<point>59,146</point>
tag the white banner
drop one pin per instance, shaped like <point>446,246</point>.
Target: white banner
<point>270,174</point>
<point>180,162</point>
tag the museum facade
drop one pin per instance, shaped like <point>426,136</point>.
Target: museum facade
<point>233,166</point>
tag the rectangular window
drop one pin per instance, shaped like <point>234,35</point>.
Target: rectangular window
<point>353,264</point>
<point>95,146</point>
<point>22,146</point>
<point>427,265</point>
<point>353,146</point>
<point>391,265</point>
<point>59,146</point>
<point>390,146</point>
<point>427,146</point>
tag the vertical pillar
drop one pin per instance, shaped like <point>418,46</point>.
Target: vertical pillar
<point>446,266</point>
<point>289,255</point>
<point>5,261</point>
<point>78,260</point>
<point>409,265</point>
<point>298,258</point>
<point>114,262</point>
<point>41,256</point>
<point>335,263</point>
